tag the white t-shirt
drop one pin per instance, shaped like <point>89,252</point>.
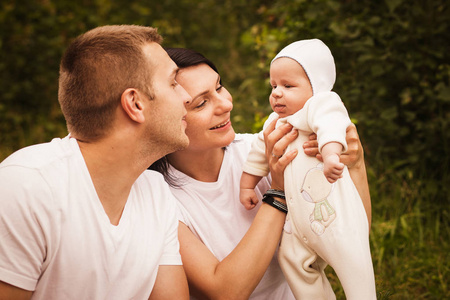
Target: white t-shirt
<point>57,240</point>
<point>212,211</point>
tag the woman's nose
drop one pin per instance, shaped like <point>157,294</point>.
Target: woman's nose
<point>224,104</point>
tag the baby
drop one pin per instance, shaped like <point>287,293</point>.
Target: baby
<point>326,221</point>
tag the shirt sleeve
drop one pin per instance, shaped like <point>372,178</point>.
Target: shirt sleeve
<point>171,254</point>
<point>256,163</point>
<point>328,118</point>
<point>24,202</point>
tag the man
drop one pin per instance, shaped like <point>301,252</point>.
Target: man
<point>79,217</point>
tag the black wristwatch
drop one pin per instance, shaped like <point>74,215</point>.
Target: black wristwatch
<point>269,199</point>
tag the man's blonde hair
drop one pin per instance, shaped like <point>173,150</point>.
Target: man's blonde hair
<point>97,67</point>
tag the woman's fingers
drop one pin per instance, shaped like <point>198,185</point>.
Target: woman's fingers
<point>351,157</point>
<point>272,136</point>
<point>277,140</point>
<point>277,167</point>
<point>311,147</point>
<point>355,153</point>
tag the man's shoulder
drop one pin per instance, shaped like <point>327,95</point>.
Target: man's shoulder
<point>36,172</point>
<point>152,182</point>
<point>153,176</point>
<point>154,194</point>
<point>38,155</point>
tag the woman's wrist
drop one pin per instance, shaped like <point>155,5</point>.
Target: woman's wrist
<point>358,165</point>
<point>276,199</point>
<point>276,193</point>
<point>356,157</point>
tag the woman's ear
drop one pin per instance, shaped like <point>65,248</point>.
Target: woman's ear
<point>133,105</point>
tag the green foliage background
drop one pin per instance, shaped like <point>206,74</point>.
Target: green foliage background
<point>393,64</point>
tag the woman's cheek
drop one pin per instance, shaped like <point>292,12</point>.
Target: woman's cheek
<point>192,126</point>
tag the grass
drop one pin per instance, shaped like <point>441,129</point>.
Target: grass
<point>409,238</point>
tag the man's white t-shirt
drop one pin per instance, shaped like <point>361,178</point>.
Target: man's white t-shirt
<point>57,240</point>
<point>213,212</point>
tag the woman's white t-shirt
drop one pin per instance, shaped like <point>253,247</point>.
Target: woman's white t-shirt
<point>213,212</point>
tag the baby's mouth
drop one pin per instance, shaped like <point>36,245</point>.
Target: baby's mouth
<point>279,108</point>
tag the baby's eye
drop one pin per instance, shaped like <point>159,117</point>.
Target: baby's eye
<point>287,86</point>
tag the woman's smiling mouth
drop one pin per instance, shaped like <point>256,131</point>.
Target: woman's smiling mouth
<point>220,125</point>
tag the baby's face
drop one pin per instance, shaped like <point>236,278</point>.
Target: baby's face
<point>291,87</point>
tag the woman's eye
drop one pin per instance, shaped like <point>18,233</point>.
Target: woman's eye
<point>201,104</point>
<point>219,88</point>
<point>288,86</point>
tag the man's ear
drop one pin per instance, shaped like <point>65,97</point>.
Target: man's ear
<point>132,103</point>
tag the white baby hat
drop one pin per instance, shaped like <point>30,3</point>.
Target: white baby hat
<point>317,61</point>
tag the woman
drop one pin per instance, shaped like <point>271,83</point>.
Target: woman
<point>227,251</point>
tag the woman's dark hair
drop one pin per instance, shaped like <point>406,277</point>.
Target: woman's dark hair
<point>183,58</point>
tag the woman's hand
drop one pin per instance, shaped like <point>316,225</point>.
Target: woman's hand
<point>353,157</point>
<point>277,141</point>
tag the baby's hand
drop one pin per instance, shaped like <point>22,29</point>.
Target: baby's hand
<point>248,198</point>
<point>333,168</point>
